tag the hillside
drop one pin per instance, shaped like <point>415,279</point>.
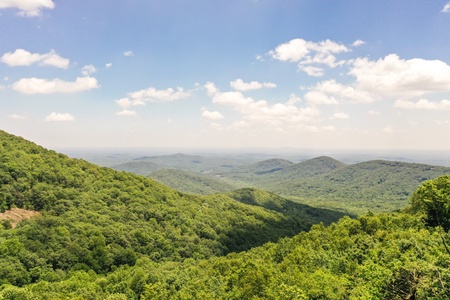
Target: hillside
<point>96,218</point>
<point>373,185</point>
<point>197,163</point>
<point>138,167</point>
<point>191,182</point>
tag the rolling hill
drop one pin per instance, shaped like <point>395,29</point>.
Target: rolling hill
<point>97,218</point>
<point>89,232</point>
<point>377,185</point>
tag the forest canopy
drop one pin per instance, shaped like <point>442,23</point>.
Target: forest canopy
<point>106,234</point>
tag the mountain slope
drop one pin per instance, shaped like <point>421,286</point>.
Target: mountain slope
<point>96,218</point>
<point>191,182</point>
<point>374,185</point>
<point>138,167</point>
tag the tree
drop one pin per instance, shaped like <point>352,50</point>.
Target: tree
<point>432,199</point>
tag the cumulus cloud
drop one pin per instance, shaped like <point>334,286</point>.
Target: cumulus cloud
<point>126,113</point>
<point>393,76</point>
<point>128,53</point>
<point>312,71</point>
<point>423,104</point>
<point>28,8</point>
<point>212,115</point>
<point>88,70</point>
<point>306,53</point>
<point>332,92</point>
<point>154,95</point>
<point>21,57</point>
<point>108,65</point>
<point>211,89</point>
<point>446,8</point>
<point>45,86</point>
<point>261,111</point>
<point>59,117</point>
<point>358,43</point>
<point>240,85</point>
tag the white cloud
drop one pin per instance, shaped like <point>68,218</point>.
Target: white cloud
<point>312,71</point>
<point>272,115</point>
<point>59,117</point>
<point>28,8</point>
<point>21,57</point>
<point>332,92</point>
<point>211,89</point>
<point>341,116</point>
<point>373,113</point>
<point>306,53</point>
<point>212,115</point>
<point>446,8</point>
<point>153,95</point>
<point>88,70</point>
<point>128,53</point>
<point>124,102</point>
<point>423,104</point>
<point>358,43</point>
<point>388,129</point>
<point>126,113</point>
<point>45,86</point>
<point>108,65</point>
<point>240,85</point>
<point>392,76</point>
<point>17,117</point>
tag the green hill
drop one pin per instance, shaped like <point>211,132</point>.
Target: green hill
<point>95,218</point>
<point>373,185</point>
<point>105,234</point>
<point>191,182</point>
<point>203,164</point>
<point>138,167</point>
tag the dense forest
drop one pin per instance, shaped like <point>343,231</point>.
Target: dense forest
<point>99,233</point>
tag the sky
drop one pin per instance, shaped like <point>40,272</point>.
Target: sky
<point>307,74</point>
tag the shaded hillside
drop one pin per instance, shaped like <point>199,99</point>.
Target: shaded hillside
<point>191,182</point>
<point>96,218</point>
<point>297,211</point>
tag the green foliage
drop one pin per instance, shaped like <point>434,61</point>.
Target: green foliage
<point>432,199</point>
<point>191,182</point>
<point>104,234</point>
<point>378,186</point>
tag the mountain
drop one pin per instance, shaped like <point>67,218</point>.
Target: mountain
<point>96,218</point>
<point>86,232</point>
<point>202,164</point>
<point>374,185</point>
<point>138,167</point>
<point>191,182</point>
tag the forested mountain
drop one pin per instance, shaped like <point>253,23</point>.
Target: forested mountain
<point>98,219</point>
<point>139,167</point>
<point>191,182</point>
<point>196,163</point>
<point>378,185</point>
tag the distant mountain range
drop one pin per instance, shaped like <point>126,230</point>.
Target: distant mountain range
<point>377,185</point>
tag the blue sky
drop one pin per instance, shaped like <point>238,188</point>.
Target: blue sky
<point>227,74</point>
